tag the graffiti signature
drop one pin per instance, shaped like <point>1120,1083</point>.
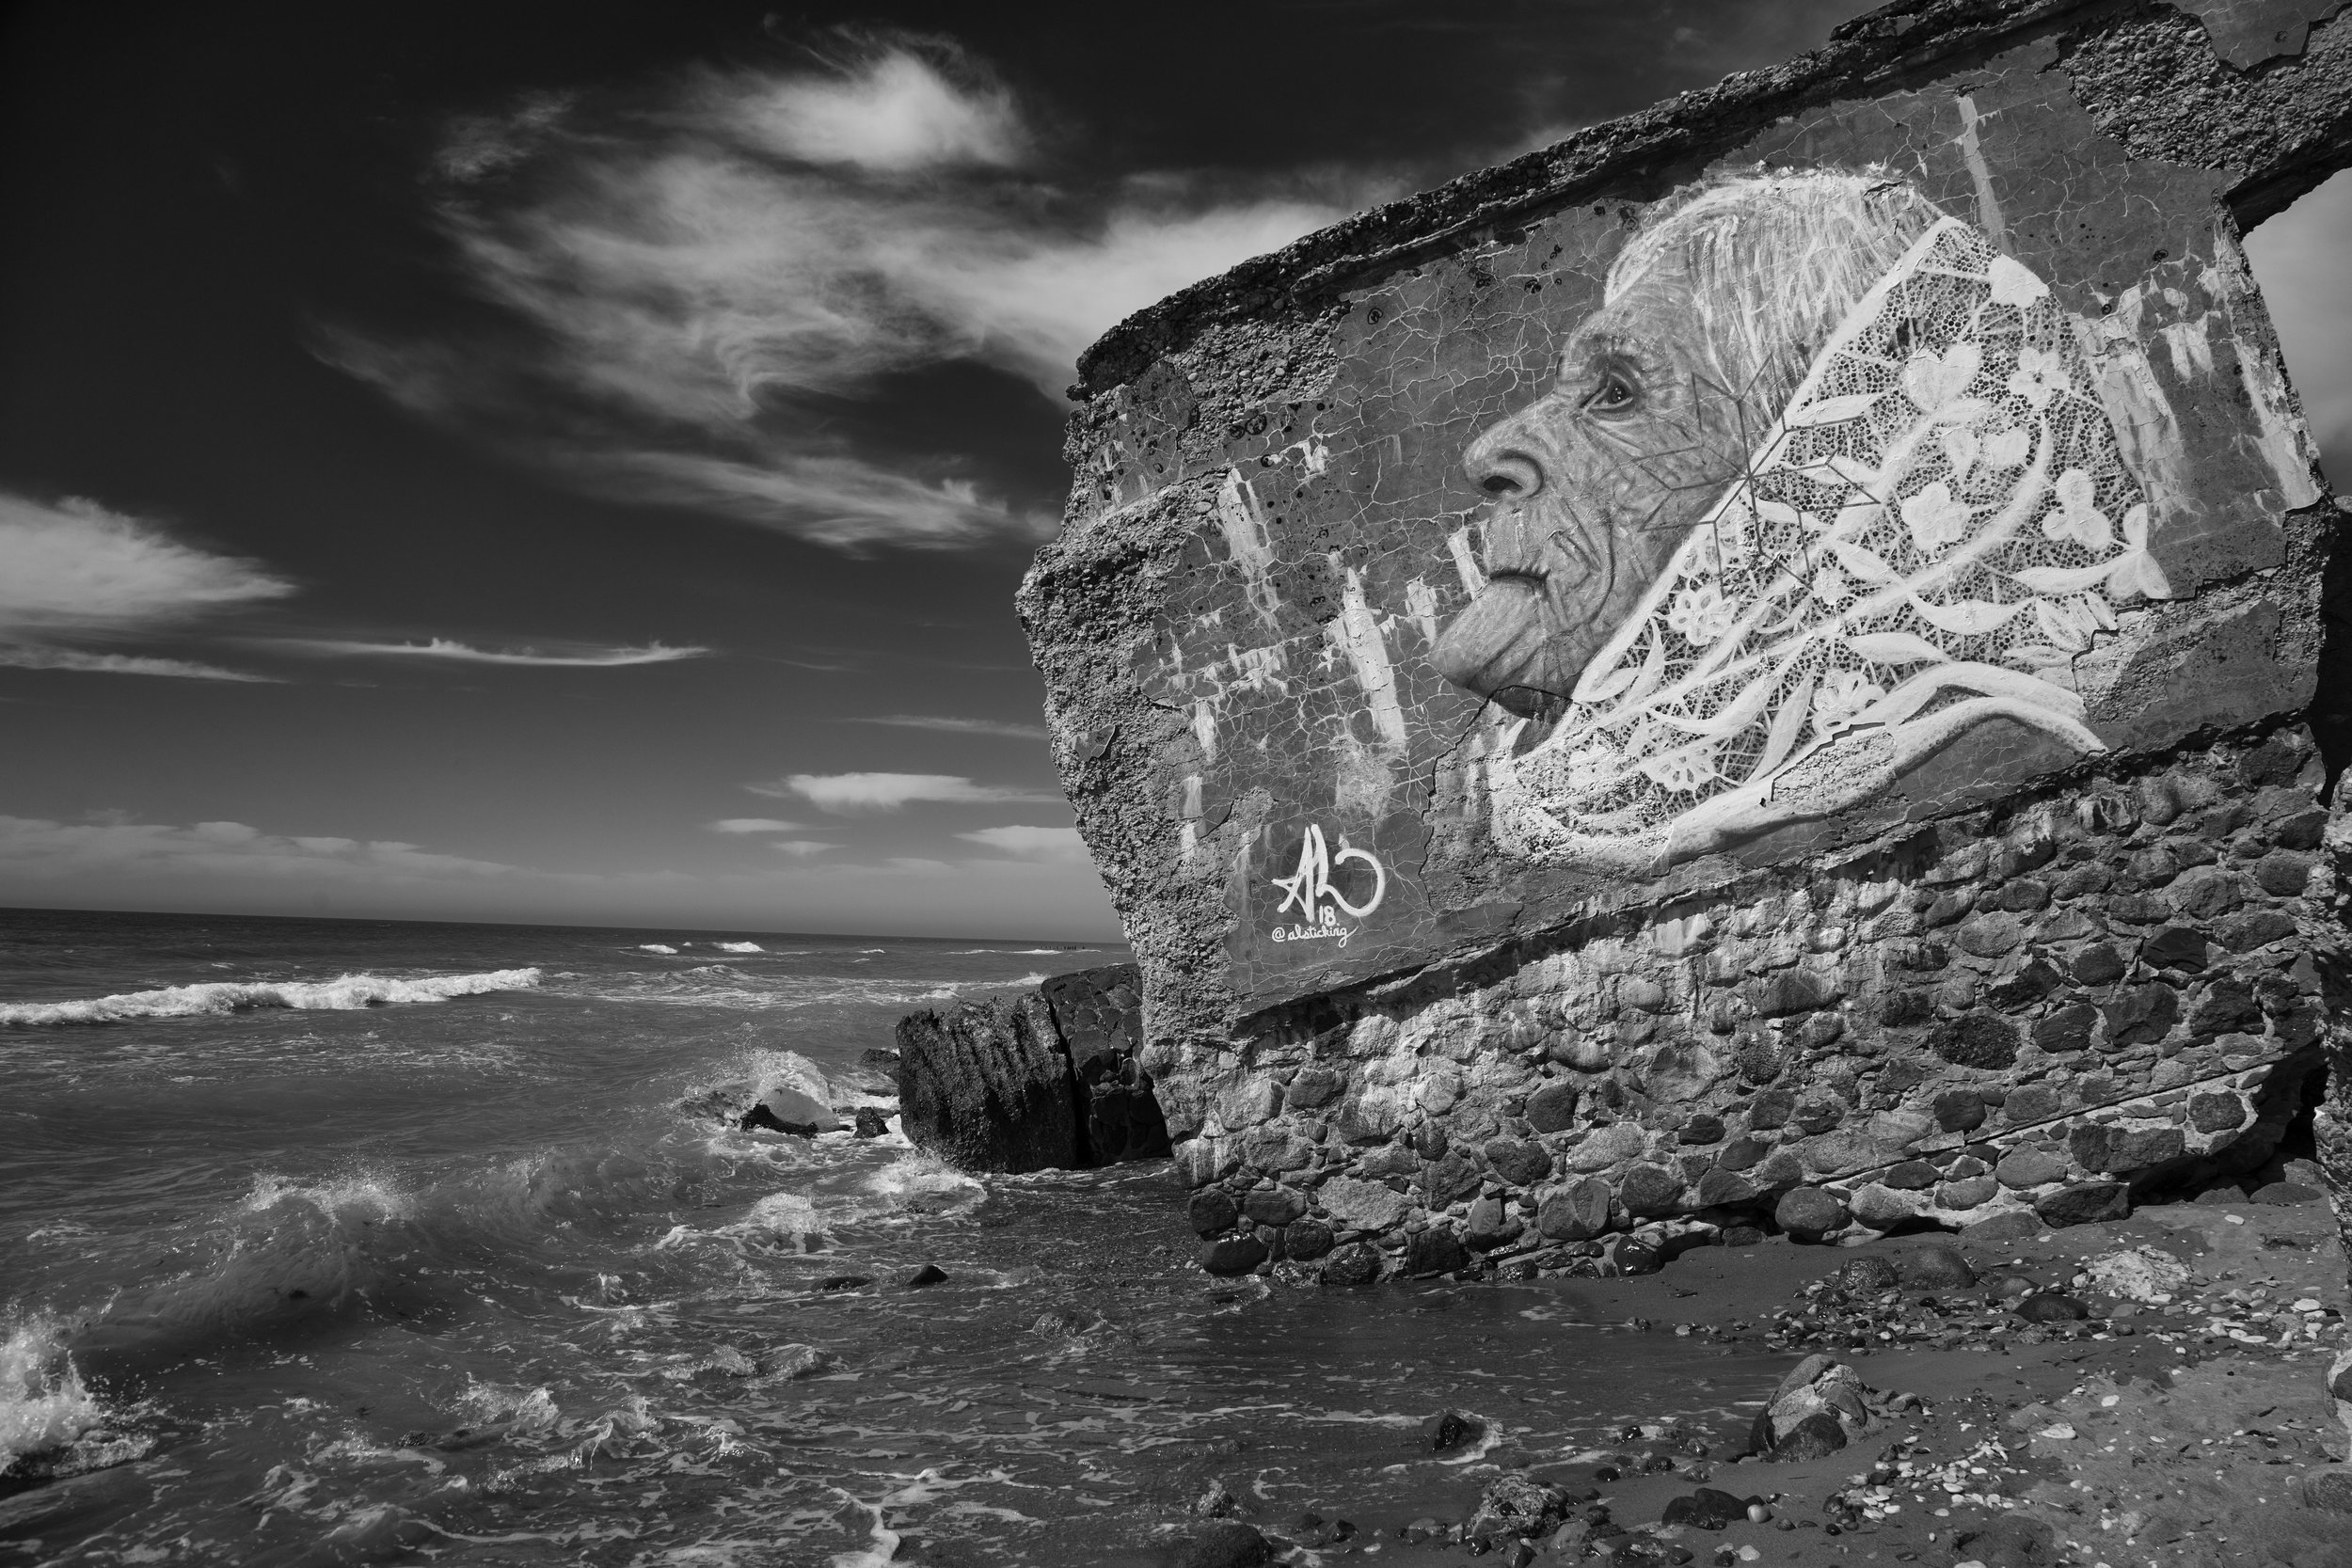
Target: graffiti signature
<point>1309,888</point>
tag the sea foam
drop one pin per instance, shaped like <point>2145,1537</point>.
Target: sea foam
<point>42,1402</point>
<point>345,993</point>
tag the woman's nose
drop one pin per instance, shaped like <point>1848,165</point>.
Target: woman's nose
<point>1502,462</point>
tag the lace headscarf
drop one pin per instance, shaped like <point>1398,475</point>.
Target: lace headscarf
<point>1939,522</point>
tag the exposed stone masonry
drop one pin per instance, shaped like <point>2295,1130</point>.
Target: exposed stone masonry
<point>2120,983</point>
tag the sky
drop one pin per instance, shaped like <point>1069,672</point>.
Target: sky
<point>572,462</point>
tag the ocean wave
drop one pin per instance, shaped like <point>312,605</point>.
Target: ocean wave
<point>44,1404</point>
<point>345,993</point>
<point>738,948</point>
<point>655,947</point>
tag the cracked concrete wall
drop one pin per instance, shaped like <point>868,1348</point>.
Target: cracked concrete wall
<point>1301,817</point>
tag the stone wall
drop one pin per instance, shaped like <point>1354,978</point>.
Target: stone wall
<point>1735,670</point>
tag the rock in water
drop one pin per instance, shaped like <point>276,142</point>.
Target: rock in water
<point>1228,1543</point>
<point>871,1122</point>
<point>1450,1429</point>
<point>987,1085</point>
<point>1100,1015</point>
<point>930,1273</point>
<point>1705,1509</point>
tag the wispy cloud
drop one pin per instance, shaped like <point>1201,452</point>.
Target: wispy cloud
<point>801,848</point>
<point>73,571</point>
<point>958,726</point>
<point>1024,843</point>
<point>443,648</point>
<point>32,656</point>
<point>699,278</point>
<point>847,793</point>
<point>752,825</point>
<point>36,849</point>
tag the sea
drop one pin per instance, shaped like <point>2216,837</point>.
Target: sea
<point>335,1242</point>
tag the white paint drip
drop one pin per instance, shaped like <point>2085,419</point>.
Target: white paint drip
<point>1421,606</point>
<point>1988,205</point>
<point>1358,633</point>
<point>1242,517</point>
<point>1458,544</point>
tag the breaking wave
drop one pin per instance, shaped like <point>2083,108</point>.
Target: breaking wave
<point>42,1402</point>
<point>345,994</point>
<point>738,948</point>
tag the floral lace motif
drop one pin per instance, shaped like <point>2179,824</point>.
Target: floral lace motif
<point>1938,523</point>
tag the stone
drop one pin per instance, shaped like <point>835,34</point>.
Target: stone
<point>2141,1015</point>
<point>1937,1268</point>
<point>1224,1544</point>
<point>1742,1153</point>
<point>1959,1110</point>
<point>2067,1030</point>
<point>1274,1207</point>
<point>2030,1167</point>
<point>2031,1103</point>
<point>2013,1226</point>
<point>1720,1188</point>
<point>1211,1209</point>
<point>1981,1039</point>
<point>871,1122</point>
<point>930,1273</point>
<point>1435,1252</point>
<point>1305,1240</point>
<point>787,1110</point>
<point>2037,979</point>
<point>1968,1193</point>
<point>1883,1208</point>
<point>1989,936</point>
<point>1516,1506</point>
<point>2226,1007</point>
<point>1817,1436</point>
<point>1355,1264</point>
<point>2119,1146</point>
<point>2283,873</point>
<point>987,1085</point>
<point>1229,1255</point>
<point>2330,1489</point>
<point>2204,893</point>
<point>2084,1203</point>
<point>1355,1205</point>
<point>1576,1212</point>
<point>1867,1274</point>
<point>1451,1178</point>
<point>1794,991</point>
<point>1517,1161</point>
<point>1552,1108</point>
<point>2175,947</point>
<point>1911,1176</point>
<point>1648,1190</point>
<point>2050,1308</point>
<point>1311,1087</point>
<point>1705,1508</point>
<point>2098,965</point>
<point>1098,1014</point>
<point>1808,1213</point>
<point>2215,1112</point>
<point>1450,1430</point>
<point>1489,1226</point>
<point>1772,1109</point>
<point>2242,933</point>
<point>1700,1131</point>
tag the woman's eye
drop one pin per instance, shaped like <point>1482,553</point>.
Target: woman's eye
<point>1613,393</point>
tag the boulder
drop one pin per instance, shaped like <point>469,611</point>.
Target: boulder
<point>1808,1213</point>
<point>1354,1264</point>
<point>987,1086</point>
<point>2084,1203</point>
<point>1576,1212</point>
<point>1099,1013</point>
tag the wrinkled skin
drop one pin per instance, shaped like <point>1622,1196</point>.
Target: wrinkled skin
<point>1591,488</point>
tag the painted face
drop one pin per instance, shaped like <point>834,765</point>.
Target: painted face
<point>1592,487</point>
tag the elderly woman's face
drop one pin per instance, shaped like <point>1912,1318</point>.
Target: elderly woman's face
<point>1592,487</point>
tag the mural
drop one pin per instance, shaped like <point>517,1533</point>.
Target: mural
<point>1825,484</point>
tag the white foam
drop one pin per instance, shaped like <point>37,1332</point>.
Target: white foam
<point>42,1402</point>
<point>925,1183</point>
<point>342,994</point>
<point>655,947</point>
<point>738,948</point>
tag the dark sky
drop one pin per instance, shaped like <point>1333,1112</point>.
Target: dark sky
<point>573,461</point>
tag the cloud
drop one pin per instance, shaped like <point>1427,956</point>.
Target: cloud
<point>75,571</point>
<point>752,824</point>
<point>1041,844</point>
<point>441,647</point>
<point>695,282</point>
<point>32,656</point>
<point>845,793</point>
<point>37,849</point>
<point>958,726</point>
<point>801,848</point>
